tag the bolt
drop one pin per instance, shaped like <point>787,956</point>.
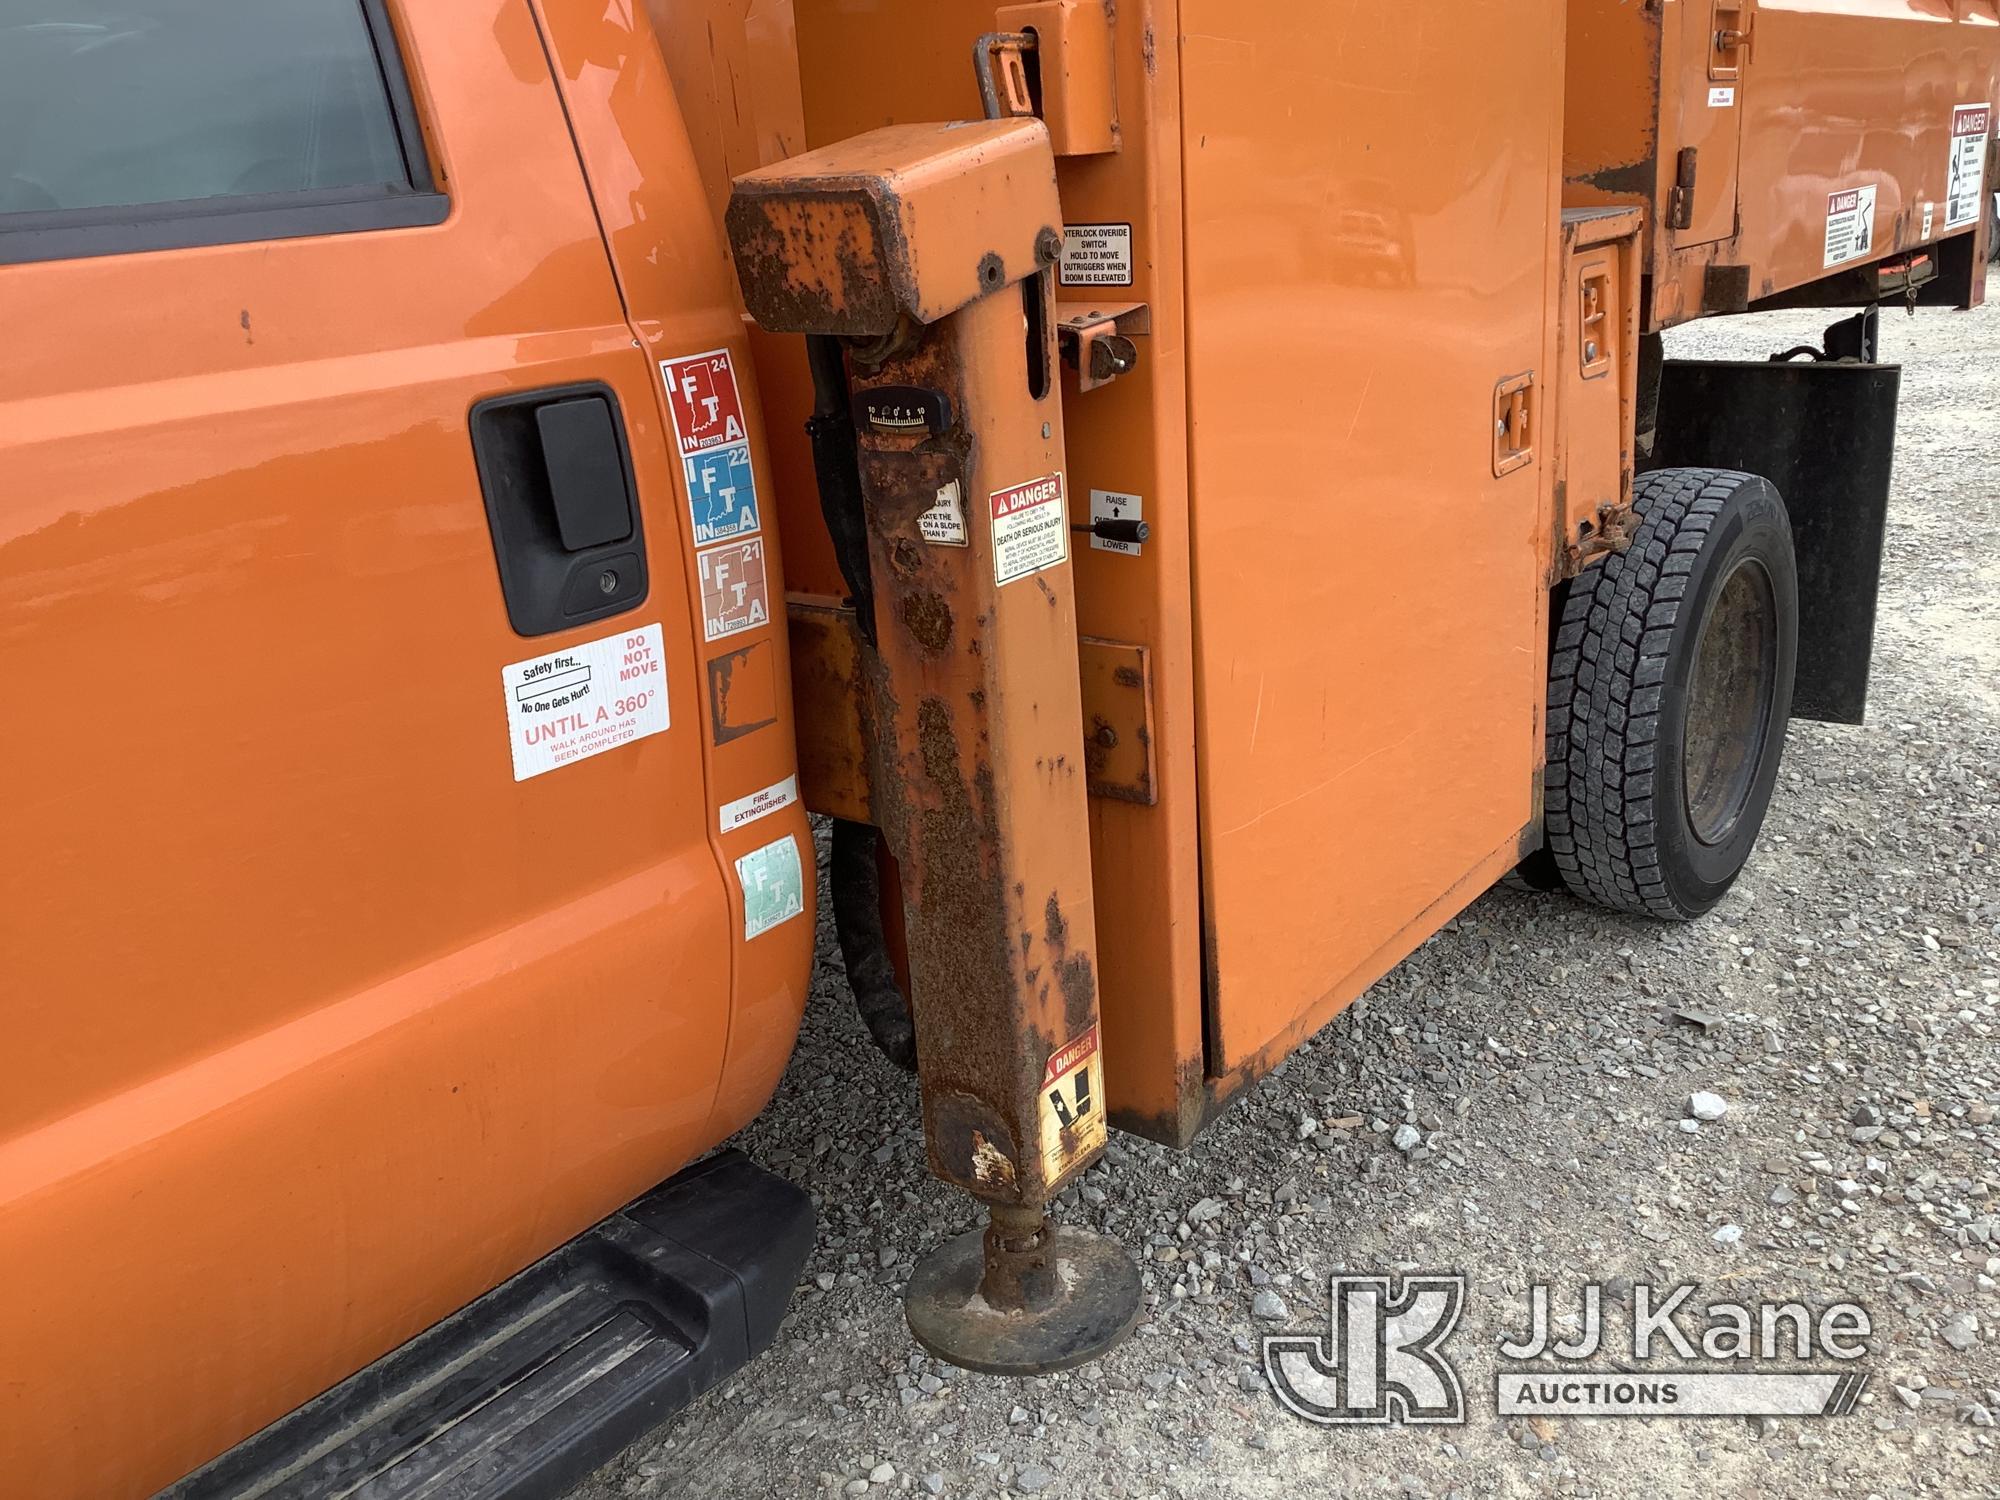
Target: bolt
<point>607,582</point>
<point>1590,352</point>
<point>1107,737</point>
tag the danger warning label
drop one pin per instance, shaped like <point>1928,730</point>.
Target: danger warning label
<point>1850,225</point>
<point>582,701</point>
<point>1096,255</point>
<point>1971,124</point>
<point>1030,529</point>
<point>1072,1106</point>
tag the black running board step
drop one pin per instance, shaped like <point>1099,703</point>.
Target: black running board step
<point>546,1377</point>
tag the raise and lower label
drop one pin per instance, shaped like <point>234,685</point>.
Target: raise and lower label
<point>1072,1106</point>
<point>1030,529</point>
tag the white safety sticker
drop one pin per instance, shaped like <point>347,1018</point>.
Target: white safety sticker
<point>1930,218</point>
<point>1096,255</point>
<point>1110,505</point>
<point>1850,225</point>
<point>584,700</point>
<point>735,594</point>
<point>1030,529</point>
<point>943,525</point>
<point>1722,98</point>
<point>1971,124</point>
<point>1072,1105</point>
<point>774,887</point>
<point>746,810</point>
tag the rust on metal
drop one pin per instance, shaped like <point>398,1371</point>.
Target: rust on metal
<point>1118,714</point>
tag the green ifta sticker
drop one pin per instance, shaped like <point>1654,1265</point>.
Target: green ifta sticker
<point>774,886</point>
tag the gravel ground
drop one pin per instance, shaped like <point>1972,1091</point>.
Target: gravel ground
<point>1849,982</point>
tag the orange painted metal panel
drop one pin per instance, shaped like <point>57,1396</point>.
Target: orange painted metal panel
<point>680,300</point>
<point>1363,268</point>
<point>1832,95</point>
<point>320,1024</point>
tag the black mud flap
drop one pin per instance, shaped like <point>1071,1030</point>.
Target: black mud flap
<point>1825,435</point>
<point>546,1377</point>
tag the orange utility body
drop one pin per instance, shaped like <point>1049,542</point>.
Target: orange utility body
<point>1389,275</point>
<point>320,1024</point>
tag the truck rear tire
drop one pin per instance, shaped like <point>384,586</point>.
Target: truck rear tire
<point>1670,689</point>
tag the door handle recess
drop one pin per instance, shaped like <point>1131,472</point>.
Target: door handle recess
<point>556,474</point>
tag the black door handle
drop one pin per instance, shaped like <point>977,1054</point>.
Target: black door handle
<point>556,474</point>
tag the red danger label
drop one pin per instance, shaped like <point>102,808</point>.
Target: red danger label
<point>1026,497</point>
<point>1844,203</point>
<point>1074,1055</point>
<point>1972,119</point>
<point>1030,529</point>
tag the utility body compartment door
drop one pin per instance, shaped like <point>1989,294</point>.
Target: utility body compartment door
<point>1706,50</point>
<point>1371,252</point>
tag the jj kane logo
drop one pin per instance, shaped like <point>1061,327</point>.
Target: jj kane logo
<point>1382,1358</point>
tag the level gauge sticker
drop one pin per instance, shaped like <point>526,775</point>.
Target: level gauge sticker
<point>706,404</point>
<point>585,700</point>
<point>774,887</point>
<point>1971,124</point>
<point>1850,225</point>
<point>1030,529</point>
<point>722,494</point>
<point>1096,255</point>
<point>735,593</point>
<point>1072,1105</point>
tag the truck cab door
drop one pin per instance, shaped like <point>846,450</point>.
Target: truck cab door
<point>1708,45</point>
<point>377,911</point>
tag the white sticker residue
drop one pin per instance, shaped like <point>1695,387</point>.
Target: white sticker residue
<point>1096,255</point>
<point>1722,98</point>
<point>774,887</point>
<point>584,700</point>
<point>943,525</point>
<point>1850,225</point>
<point>746,810</point>
<point>1030,529</point>
<point>1110,505</point>
<point>1971,124</point>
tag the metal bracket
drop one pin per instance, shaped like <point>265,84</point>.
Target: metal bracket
<point>1097,341</point>
<point>1001,60</point>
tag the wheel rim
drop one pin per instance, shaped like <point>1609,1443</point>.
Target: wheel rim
<point>1729,702</point>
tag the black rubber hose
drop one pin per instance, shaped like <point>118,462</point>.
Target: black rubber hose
<point>856,878</point>
<point>837,467</point>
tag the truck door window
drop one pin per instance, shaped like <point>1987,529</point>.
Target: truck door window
<point>148,124</point>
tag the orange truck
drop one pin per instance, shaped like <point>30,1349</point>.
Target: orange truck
<point>1191,487</point>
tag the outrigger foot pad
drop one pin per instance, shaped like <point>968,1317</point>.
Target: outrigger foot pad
<point>1023,1296</point>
